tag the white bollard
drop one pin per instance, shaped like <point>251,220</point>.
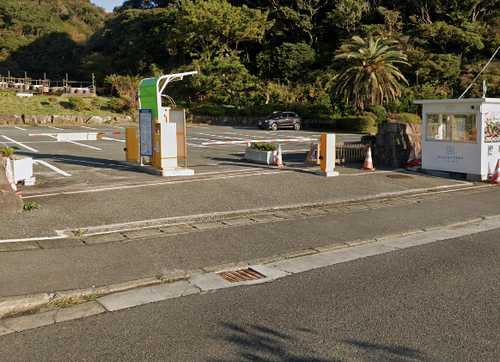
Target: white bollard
<point>327,155</point>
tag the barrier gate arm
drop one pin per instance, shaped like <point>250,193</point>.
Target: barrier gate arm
<point>171,77</point>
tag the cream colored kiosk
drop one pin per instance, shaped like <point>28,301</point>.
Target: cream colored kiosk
<point>461,136</point>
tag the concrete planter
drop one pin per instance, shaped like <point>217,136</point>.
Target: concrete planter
<point>257,156</point>
<point>19,169</point>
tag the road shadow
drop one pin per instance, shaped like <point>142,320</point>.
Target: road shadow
<point>93,162</point>
<point>265,344</point>
<point>262,344</point>
<point>384,352</point>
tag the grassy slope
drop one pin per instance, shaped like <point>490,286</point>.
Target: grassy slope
<point>52,105</point>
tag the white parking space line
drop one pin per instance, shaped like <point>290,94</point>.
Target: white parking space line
<point>20,144</point>
<point>84,145</point>
<point>20,128</point>
<point>195,145</point>
<point>78,144</point>
<point>199,139</point>
<point>113,139</point>
<point>220,136</point>
<point>59,129</point>
<point>95,163</point>
<point>223,176</point>
<point>272,140</point>
<point>95,129</point>
<point>52,167</point>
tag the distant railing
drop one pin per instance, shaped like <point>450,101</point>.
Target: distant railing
<point>46,86</point>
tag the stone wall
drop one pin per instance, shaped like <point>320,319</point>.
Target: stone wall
<point>61,120</point>
<point>396,143</point>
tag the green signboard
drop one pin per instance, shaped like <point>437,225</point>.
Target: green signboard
<point>148,94</point>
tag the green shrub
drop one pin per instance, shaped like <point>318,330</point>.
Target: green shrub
<point>7,151</point>
<point>308,112</point>
<point>31,205</point>
<point>118,105</point>
<point>77,104</point>
<point>263,146</point>
<point>380,113</point>
<point>366,123</point>
<point>213,110</point>
<point>410,118</point>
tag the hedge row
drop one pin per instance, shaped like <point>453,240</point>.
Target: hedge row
<point>410,118</point>
<point>305,111</point>
<point>357,124</point>
<point>314,116</point>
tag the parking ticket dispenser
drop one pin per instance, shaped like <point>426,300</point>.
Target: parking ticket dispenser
<point>327,154</point>
<point>132,145</point>
<point>162,129</point>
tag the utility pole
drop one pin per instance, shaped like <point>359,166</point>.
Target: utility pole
<point>93,84</point>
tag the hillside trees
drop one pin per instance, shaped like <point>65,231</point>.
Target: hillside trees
<point>214,35</point>
<point>46,36</point>
<point>257,52</point>
<point>206,28</point>
<point>131,41</point>
<point>371,75</point>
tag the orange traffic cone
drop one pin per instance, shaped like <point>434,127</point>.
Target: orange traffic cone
<point>312,154</point>
<point>279,158</point>
<point>495,178</point>
<point>368,164</point>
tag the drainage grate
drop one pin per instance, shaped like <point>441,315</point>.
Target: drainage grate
<point>242,275</point>
<point>399,176</point>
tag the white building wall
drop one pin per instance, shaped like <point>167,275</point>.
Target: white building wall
<point>490,152</point>
<point>458,157</point>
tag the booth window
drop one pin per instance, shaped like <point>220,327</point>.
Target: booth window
<point>452,127</point>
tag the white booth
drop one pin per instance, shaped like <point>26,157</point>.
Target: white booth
<point>461,136</point>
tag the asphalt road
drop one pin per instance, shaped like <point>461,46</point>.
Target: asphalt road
<point>101,264</point>
<point>438,302</point>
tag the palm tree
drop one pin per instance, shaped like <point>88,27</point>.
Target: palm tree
<point>371,75</point>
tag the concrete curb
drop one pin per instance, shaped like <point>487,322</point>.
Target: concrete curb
<point>219,216</point>
<point>31,303</point>
<point>180,284</point>
<point>198,223</point>
<point>16,305</point>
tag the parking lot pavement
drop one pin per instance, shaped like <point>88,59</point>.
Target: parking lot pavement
<point>87,183</point>
<point>77,164</point>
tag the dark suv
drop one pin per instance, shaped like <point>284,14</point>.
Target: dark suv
<point>281,120</point>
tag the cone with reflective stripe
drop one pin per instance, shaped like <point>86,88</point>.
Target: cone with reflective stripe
<point>312,154</point>
<point>495,179</point>
<point>368,164</point>
<point>279,158</point>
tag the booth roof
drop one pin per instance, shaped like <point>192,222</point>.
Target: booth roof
<point>457,101</point>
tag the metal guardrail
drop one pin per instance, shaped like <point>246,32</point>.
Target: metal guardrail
<point>350,152</point>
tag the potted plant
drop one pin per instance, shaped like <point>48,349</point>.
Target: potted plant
<point>261,153</point>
